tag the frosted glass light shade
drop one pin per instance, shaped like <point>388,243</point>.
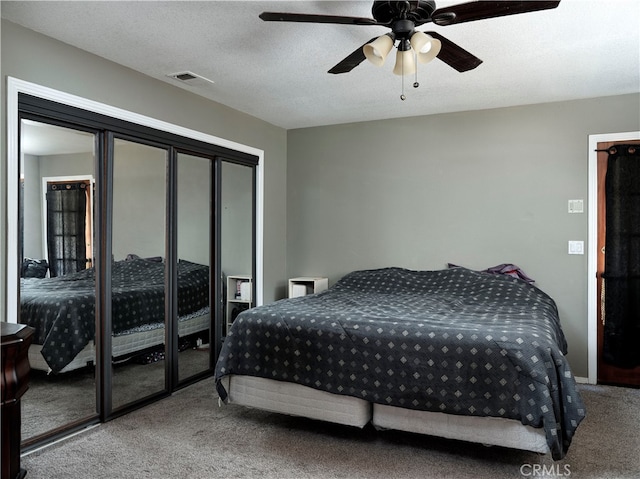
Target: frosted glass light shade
<point>405,63</point>
<point>425,46</point>
<point>376,51</point>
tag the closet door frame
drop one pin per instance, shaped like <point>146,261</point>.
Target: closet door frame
<point>57,107</point>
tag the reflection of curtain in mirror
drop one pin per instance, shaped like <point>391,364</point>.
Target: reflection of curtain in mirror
<point>66,227</point>
<point>21,219</point>
<point>622,258</point>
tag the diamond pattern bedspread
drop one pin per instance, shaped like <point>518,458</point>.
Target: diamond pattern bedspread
<point>62,309</point>
<point>456,341</point>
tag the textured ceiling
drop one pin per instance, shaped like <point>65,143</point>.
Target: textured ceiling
<point>278,71</point>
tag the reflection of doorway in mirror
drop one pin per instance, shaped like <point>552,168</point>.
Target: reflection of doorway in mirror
<point>68,223</point>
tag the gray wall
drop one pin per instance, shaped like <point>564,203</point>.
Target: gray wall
<point>32,57</point>
<point>32,188</point>
<point>236,219</point>
<point>476,189</point>
<point>35,168</point>
<point>139,200</point>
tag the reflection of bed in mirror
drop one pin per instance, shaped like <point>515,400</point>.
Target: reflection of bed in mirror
<point>62,310</point>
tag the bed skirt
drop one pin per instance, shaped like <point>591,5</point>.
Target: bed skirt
<point>298,400</point>
<point>491,431</point>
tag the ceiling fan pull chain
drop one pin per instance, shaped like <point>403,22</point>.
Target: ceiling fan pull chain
<point>402,97</point>
<point>415,78</point>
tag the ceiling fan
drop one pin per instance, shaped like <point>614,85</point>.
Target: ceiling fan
<point>403,18</point>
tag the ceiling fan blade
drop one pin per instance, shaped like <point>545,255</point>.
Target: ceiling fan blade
<point>311,18</point>
<point>471,11</point>
<point>455,56</point>
<point>351,61</point>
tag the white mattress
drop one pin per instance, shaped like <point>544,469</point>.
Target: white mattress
<point>298,400</point>
<point>122,344</point>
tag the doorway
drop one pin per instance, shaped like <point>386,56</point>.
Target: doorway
<point>607,371</point>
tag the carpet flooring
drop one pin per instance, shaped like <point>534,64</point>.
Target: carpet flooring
<point>56,400</point>
<point>189,436</point>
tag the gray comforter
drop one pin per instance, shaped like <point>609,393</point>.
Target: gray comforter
<point>455,341</point>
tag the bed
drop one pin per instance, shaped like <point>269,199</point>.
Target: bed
<point>62,311</point>
<point>454,353</point>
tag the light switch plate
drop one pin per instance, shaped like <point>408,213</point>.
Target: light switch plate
<point>576,247</point>
<point>576,206</point>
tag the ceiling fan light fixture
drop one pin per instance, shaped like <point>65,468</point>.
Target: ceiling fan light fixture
<point>425,46</point>
<point>405,62</point>
<point>403,17</point>
<point>376,51</point>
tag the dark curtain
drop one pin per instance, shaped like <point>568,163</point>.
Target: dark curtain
<point>621,342</point>
<point>66,222</point>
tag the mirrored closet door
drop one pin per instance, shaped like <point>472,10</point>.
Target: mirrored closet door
<point>237,239</point>
<point>56,239</point>
<point>138,292</point>
<point>194,245</point>
<point>137,249</point>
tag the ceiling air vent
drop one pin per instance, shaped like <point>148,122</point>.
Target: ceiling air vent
<point>191,78</point>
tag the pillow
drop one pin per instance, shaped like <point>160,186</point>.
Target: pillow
<point>505,268</point>
<point>155,259</point>
<point>34,268</point>
<point>510,270</point>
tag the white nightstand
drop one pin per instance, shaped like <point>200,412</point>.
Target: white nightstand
<point>306,285</point>
<point>239,297</point>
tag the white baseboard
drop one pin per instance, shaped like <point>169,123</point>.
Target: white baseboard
<point>582,380</point>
